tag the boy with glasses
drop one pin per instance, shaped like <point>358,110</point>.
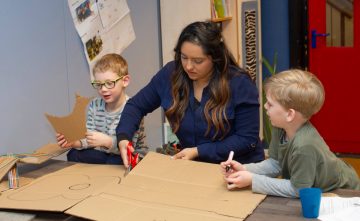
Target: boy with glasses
<point>99,145</point>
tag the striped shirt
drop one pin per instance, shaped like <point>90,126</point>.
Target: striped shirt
<point>100,120</point>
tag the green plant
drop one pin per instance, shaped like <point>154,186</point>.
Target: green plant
<point>267,125</point>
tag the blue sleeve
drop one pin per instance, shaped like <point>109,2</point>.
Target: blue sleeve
<point>244,136</point>
<point>145,101</point>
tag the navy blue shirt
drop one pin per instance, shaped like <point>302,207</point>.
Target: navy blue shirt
<point>242,113</point>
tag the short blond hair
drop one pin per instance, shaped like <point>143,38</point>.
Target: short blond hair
<point>296,89</point>
<point>114,62</point>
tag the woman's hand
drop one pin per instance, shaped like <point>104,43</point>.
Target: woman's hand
<point>98,139</point>
<point>238,179</point>
<point>187,154</point>
<point>123,152</point>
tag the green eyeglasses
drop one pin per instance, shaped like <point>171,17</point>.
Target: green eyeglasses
<point>109,84</point>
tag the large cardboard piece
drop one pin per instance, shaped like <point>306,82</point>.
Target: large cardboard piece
<point>73,126</point>
<point>60,190</point>
<point>160,188</point>
<point>108,207</point>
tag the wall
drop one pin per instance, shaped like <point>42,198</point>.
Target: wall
<point>42,66</point>
<point>275,32</point>
<point>144,58</point>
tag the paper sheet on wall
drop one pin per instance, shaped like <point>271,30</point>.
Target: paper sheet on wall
<point>104,26</point>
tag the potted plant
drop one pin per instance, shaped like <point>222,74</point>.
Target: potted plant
<point>267,125</point>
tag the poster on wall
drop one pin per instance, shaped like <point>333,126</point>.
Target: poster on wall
<point>104,26</point>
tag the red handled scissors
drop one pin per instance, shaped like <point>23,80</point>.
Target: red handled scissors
<point>133,158</point>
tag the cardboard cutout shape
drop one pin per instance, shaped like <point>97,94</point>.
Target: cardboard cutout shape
<point>73,126</point>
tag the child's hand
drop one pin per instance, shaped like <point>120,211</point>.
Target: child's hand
<point>233,165</point>
<point>238,179</point>
<point>187,154</point>
<point>123,152</point>
<point>98,139</point>
<point>62,142</point>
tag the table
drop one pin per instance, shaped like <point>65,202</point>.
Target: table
<point>272,208</point>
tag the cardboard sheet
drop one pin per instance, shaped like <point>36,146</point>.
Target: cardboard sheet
<point>109,207</point>
<point>6,163</point>
<point>157,189</point>
<point>62,189</point>
<point>73,126</point>
<point>43,154</point>
<point>160,188</point>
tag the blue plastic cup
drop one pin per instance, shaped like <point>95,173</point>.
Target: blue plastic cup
<point>310,202</point>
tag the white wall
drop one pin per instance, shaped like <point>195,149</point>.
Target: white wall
<point>144,58</point>
<point>42,66</point>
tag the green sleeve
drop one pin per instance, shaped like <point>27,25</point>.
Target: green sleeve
<point>303,167</point>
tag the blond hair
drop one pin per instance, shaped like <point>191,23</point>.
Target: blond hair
<point>296,89</point>
<point>114,62</point>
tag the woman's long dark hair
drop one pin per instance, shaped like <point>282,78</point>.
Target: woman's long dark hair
<point>208,36</point>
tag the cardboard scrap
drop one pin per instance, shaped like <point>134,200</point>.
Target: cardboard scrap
<point>160,188</point>
<point>43,154</point>
<point>6,163</point>
<point>73,126</point>
<point>62,189</point>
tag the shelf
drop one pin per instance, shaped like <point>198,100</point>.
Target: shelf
<point>221,19</point>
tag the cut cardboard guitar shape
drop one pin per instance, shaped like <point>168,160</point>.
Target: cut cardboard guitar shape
<point>73,126</point>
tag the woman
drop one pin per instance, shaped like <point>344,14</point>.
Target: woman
<point>212,105</point>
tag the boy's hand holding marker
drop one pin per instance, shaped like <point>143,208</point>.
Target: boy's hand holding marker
<point>235,173</point>
<point>231,166</point>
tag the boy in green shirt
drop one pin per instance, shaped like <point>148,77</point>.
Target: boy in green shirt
<point>297,151</point>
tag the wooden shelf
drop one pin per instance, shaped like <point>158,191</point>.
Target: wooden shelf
<point>221,19</point>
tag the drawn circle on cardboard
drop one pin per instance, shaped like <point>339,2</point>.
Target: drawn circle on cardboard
<point>80,186</point>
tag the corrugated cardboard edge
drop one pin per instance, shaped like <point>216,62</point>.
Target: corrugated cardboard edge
<point>44,154</point>
<point>6,163</point>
